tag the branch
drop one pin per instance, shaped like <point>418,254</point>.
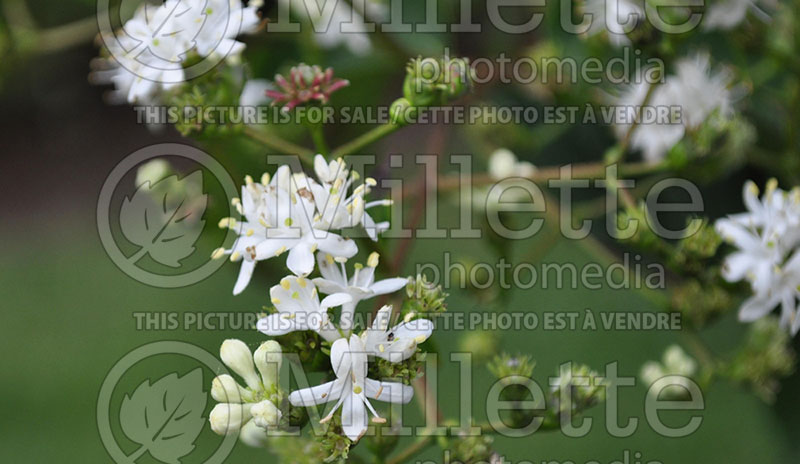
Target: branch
<point>278,144</point>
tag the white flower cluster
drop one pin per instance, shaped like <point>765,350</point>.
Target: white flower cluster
<point>676,363</point>
<point>295,214</point>
<point>148,55</point>
<point>767,238</point>
<point>249,411</point>
<point>694,88</point>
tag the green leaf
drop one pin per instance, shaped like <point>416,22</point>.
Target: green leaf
<point>165,418</point>
<point>163,218</point>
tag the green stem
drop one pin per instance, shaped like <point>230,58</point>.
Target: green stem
<point>318,136</point>
<point>280,145</point>
<point>364,140</point>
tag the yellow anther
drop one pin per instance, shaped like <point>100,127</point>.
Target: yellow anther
<point>357,390</point>
<point>248,180</point>
<point>373,259</point>
<point>381,348</point>
<point>295,295</point>
<point>263,222</point>
<point>218,253</point>
<point>286,284</point>
<point>370,181</point>
<point>280,251</point>
<point>358,266</point>
<point>302,282</point>
<point>288,222</point>
<point>420,338</point>
<point>340,259</point>
<point>276,301</point>
<point>250,232</point>
<point>314,248</point>
<point>235,256</point>
<point>328,258</point>
<point>265,178</point>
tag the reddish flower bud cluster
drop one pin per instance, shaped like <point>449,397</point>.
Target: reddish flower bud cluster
<point>304,84</point>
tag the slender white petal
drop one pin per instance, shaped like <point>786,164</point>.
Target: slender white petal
<point>245,274</point>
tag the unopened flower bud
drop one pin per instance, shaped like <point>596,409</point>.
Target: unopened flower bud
<point>235,354</point>
<point>400,111</point>
<point>268,360</point>
<point>225,389</point>
<point>253,435</point>
<point>227,418</point>
<point>265,414</point>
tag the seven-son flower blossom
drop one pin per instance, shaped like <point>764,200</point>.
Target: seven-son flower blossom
<point>352,390</point>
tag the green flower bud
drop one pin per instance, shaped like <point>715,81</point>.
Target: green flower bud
<point>400,111</point>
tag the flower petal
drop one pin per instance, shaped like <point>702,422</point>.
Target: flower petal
<point>328,287</point>
<point>756,307</point>
<point>340,358</point>
<point>354,417</point>
<point>279,324</point>
<point>337,245</point>
<point>301,259</point>
<point>385,286</point>
<point>390,392</point>
<point>245,274</point>
<point>320,394</point>
<point>337,299</point>
<point>418,329</point>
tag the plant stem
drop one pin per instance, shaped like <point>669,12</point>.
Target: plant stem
<point>278,144</point>
<point>410,451</point>
<point>318,136</point>
<point>364,140</point>
<point>590,171</point>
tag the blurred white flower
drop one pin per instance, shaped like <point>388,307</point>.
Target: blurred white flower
<point>248,411</point>
<point>694,89</point>
<point>615,18</point>
<point>254,92</point>
<point>148,54</point>
<point>345,25</point>
<point>352,389</point>
<point>675,362</point>
<point>503,163</point>
<point>727,14</point>
<point>299,308</point>
<point>766,237</point>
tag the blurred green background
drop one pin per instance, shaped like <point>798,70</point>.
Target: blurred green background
<point>69,312</point>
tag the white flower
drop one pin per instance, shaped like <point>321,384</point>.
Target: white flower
<point>360,286</point>
<point>299,308</point>
<point>675,362</point>
<point>279,216</point>
<point>254,92</point>
<point>222,22</point>
<point>397,343</point>
<point>766,238</point>
<point>148,54</point>
<point>727,14</point>
<point>694,89</point>
<point>346,24</point>
<point>352,389</point>
<point>503,163</point>
<point>614,17</point>
<point>250,410</point>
